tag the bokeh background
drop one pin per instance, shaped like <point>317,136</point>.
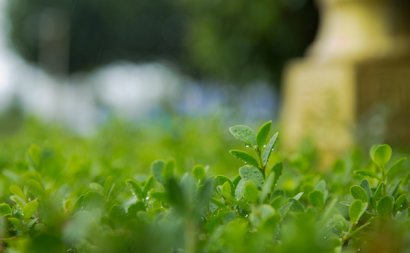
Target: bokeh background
<point>78,62</point>
<point>134,81</point>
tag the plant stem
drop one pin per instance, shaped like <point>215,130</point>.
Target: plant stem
<point>263,167</point>
<point>190,236</point>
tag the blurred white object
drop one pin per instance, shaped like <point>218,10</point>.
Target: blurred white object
<point>6,63</point>
<point>131,90</point>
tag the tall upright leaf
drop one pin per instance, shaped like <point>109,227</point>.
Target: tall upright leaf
<point>268,149</point>
<point>263,133</point>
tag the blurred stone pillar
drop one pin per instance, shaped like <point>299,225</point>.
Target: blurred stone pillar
<point>359,62</point>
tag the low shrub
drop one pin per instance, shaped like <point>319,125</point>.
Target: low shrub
<point>51,203</point>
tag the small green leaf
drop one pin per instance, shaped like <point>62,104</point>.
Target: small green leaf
<point>244,134</point>
<point>204,194</point>
<point>339,224</point>
<point>108,186</point>
<point>96,187</point>
<point>135,188</point>
<point>381,154</point>
<point>16,190</point>
<point>317,198</point>
<point>17,223</point>
<point>35,187</point>
<point>219,180</point>
<point>160,196</point>
<point>156,168</point>
<point>277,169</point>
<point>365,185</point>
<point>396,168</point>
<point>296,205</point>
<point>380,191</point>
<point>175,194</point>
<point>239,190</point>
<point>251,192</point>
<point>34,154</point>
<point>199,172</point>
<point>5,209</point>
<point>168,170</point>
<point>401,203</point>
<point>321,186</point>
<point>236,180</point>
<point>385,206</point>
<point>18,200</point>
<point>298,196</point>
<point>359,193</point>
<point>245,157</point>
<point>393,188</point>
<point>149,184</point>
<point>366,173</point>
<point>226,190</point>
<point>264,215</point>
<point>263,133</point>
<point>268,187</point>
<point>268,149</point>
<point>135,208</point>
<point>30,209</point>
<point>356,210</point>
<point>252,173</point>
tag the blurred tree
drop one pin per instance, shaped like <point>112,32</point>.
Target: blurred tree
<point>100,31</point>
<point>245,40</point>
<point>232,40</point>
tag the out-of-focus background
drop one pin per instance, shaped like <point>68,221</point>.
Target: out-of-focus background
<point>143,80</point>
<point>81,62</point>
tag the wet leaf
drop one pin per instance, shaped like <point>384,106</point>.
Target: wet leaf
<point>262,134</point>
<point>245,157</point>
<point>244,134</point>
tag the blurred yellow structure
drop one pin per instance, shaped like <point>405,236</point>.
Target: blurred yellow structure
<point>360,60</point>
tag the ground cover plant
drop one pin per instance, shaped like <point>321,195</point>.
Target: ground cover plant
<point>95,198</point>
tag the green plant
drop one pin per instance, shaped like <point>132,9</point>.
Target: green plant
<point>51,203</point>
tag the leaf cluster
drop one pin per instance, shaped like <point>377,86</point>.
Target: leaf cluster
<point>51,204</point>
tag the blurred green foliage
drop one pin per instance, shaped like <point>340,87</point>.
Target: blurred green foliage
<point>248,40</point>
<point>118,143</point>
<point>63,193</point>
<point>232,40</point>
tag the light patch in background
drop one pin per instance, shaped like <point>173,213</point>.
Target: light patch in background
<point>6,62</point>
<point>127,90</point>
<point>131,90</point>
<point>58,100</point>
